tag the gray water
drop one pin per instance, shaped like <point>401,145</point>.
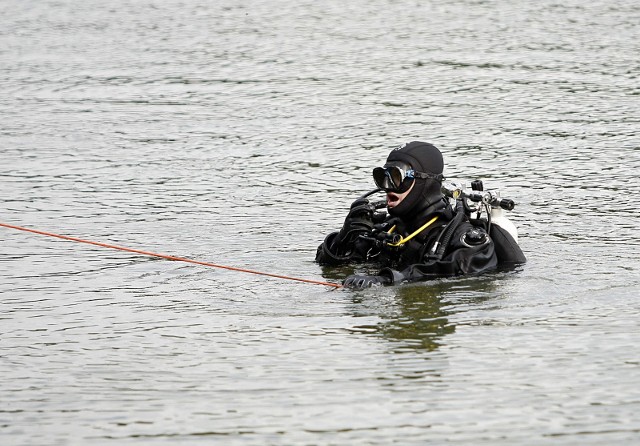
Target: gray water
<point>238,132</point>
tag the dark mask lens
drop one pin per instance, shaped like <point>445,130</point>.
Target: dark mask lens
<point>380,178</point>
<point>396,175</point>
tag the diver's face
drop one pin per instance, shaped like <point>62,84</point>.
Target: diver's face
<point>394,198</point>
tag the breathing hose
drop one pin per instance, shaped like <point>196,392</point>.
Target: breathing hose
<point>450,229</point>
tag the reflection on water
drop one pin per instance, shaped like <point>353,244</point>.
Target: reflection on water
<point>419,315</point>
<point>417,318</point>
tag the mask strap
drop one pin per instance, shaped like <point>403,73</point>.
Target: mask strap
<point>426,176</point>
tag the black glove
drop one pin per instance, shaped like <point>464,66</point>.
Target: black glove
<point>361,282</point>
<point>359,221</point>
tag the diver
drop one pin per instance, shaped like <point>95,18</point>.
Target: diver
<point>422,235</point>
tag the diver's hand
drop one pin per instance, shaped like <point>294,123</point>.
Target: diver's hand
<point>359,221</point>
<point>359,282</point>
<point>360,215</point>
<point>361,208</point>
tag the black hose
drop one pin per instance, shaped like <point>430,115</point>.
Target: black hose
<point>376,204</point>
<point>449,229</point>
<point>371,192</point>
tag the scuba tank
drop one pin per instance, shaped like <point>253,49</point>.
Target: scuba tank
<point>498,218</point>
<point>489,208</point>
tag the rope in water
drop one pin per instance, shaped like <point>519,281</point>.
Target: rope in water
<point>168,257</point>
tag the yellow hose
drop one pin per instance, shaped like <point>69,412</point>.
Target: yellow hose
<point>409,237</point>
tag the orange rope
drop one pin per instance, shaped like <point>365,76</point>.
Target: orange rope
<point>165,256</point>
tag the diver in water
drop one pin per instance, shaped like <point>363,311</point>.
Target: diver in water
<point>422,236</point>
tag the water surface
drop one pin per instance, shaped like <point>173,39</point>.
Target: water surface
<point>238,132</point>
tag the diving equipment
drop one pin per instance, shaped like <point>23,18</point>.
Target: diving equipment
<point>398,177</point>
<point>489,209</point>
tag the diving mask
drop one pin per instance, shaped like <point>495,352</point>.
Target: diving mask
<point>399,177</point>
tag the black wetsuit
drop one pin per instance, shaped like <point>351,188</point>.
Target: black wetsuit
<point>451,246</point>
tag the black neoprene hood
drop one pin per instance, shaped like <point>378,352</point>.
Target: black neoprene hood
<point>422,157</point>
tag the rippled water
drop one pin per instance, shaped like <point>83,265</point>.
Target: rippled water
<point>238,132</point>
